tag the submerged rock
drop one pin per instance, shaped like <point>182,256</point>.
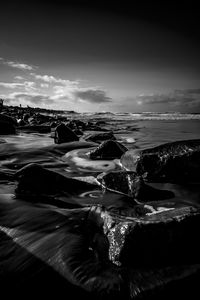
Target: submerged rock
<point>131,184</point>
<point>108,150</point>
<point>99,137</point>
<point>64,134</point>
<point>172,162</point>
<point>34,179</point>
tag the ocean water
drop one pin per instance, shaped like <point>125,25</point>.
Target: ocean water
<point>43,231</point>
<point>23,148</point>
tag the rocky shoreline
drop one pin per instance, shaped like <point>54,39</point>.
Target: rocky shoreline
<point>130,240</point>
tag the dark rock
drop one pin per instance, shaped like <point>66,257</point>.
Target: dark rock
<point>108,150</point>
<point>152,250</point>
<point>172,162</point>
<point>34,179</point>
<point>132,185</point>
<point>64,134</point>
<point>99,137</point>
<point>6,128</point>
<point>163,236</point>
<point>7,119</point>
<point>7,124</point>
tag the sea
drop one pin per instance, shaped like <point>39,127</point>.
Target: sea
<point>135,131</point>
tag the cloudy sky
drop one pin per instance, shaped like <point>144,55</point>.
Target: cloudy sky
<point>111,56</point>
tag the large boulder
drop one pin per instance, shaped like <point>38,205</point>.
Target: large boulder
<point>108,150</point>
<point>163,235</point>
<point>129,183</point>
<point>64,134</point>
<point>7,124</point>
<point>172,162</point>
<point>99,137</point>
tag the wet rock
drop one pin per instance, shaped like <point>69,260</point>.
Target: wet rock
<point>64,134</point>
<point>131,184</point>
<point>36,180</point>
<point>99,137</point>
<point>8,119</point>
<point>108,150</point>
<point>173,162</point>
<point>164,236</point>
<point>7,124</point>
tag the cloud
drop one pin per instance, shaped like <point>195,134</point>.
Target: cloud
<point>52,79</point>
<point>19,77</point>
<point>34,98</point>
<point>44,85</point>
<point>18,65</point>
<point>92,95</point>
<point>12,85</point>
<point>27,85</point>
<point>186,97</point>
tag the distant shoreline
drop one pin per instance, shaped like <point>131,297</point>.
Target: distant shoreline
<point>132,116</point>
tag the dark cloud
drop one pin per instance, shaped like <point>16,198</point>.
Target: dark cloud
<point>93,96</point>
<point>187,97</point>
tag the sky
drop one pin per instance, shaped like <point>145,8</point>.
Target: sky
<point>94,56</point>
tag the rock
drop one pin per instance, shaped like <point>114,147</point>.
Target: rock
<point>165,235</point>
<point>7,119</point>
<point>108,150</point>
<point>7,124</point>
<point>35,180</point>
<point>64,134</point>
<point>172,162</point>
<point>129,183</point>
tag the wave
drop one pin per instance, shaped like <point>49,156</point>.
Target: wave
<point>143,116</point>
